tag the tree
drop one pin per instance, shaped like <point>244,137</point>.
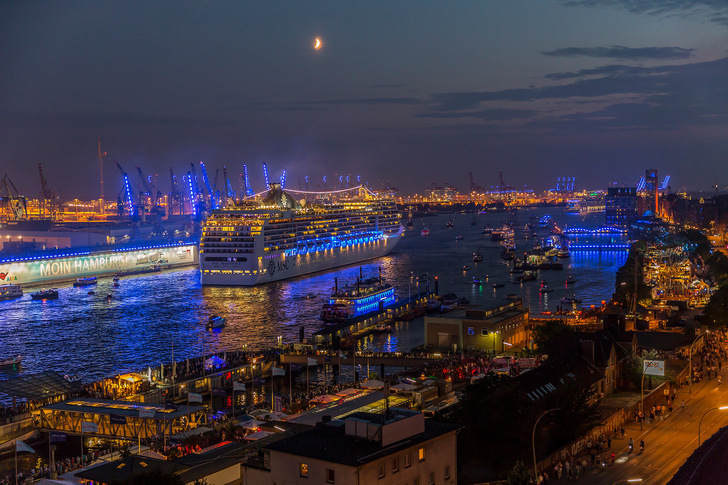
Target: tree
<point>545,336</point>
<point>519,475</point>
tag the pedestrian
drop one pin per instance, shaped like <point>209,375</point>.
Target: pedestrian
<point>609,442</point>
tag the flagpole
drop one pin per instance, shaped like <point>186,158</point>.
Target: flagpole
<point>16,461</point>
<point>290,384</point>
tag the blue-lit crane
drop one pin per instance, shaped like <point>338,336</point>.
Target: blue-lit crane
<point>229,192</point>
<point>265,174</point>
<point>246,180</point>
<point>175,195</point>
<point>283,179</point>
<point>124,199</point>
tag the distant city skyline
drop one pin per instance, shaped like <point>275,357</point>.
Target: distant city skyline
<point>406,93</point>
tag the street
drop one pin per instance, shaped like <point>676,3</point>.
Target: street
<point>668,442</point>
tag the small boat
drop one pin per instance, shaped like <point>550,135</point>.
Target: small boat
<point>91,280</point>
<point>570,281</point>
<point>432,306</point>
<point>381,328</point>
<point>310,296</point>
<point>563,253</point>
<point>425,232</point>
<point>10,291</point>
<point>116,278</point>
<point>477,282</point>
<point>109,296</point>
<point>498,285</point>
<point>570,300</point>
<point>11,361</point>
<point>216,321</point>
<point>466,267</point>
<point>73,378</point>
<point>450,224</point>
<point>91,292</point>
<point>459,237</point>
<point>545,289</point>
<point>477,257</point>
<point>51,294</point>
<point>446,307</point>
<point>116,284</point>
<point>487,230</point>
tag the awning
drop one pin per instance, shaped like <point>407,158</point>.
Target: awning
<point>38,387</point>
<point>372,384</point>
<point>347,392</point>
<point>252,424</point>
<point>325,399</point>
<point>257,435</point>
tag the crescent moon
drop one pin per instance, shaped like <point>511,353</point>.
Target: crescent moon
<point>317,43</point>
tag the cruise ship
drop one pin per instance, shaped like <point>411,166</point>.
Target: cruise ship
<point>252,243</point>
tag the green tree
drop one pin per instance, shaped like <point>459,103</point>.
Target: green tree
<point>545,336</point>
<point>519,475</point>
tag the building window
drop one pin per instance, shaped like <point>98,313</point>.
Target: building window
<point>416,481</point>
<point>303,470</point>
<point>395,465</point>
<point>471,330</point>
<point>421,454</point>
<point>330,476</point>
<point>432,478</point>
<point>407,460</point>
<point>381,471</point>
<point>447,472</point>
<point>484,331</point>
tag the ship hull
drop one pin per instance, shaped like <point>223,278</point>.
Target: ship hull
<point>276,267</point>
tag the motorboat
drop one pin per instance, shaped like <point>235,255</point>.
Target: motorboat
<point>51,294</point>
<point>563,253</point>
<point>425,232</point>
<point>477,282</point>
<point>381,328</point>
<point>487,230</point>
<point>11,361</point>
<point>216,321</point>
<point>116,278</point>
<point>545,289</point>
<point>498,285</point>
<point>91,280</point>
<point>477,257</point>
<point>450,224</point>
<point>570,300</point>
<point>459,237</point>
<point>466,267</point>
<point>91,292</point>
<point>10,291</point>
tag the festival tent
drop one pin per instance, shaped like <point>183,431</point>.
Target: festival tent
<point>325,399</point>
<point>252,424</point>
<point>372,384</point>
<point>347,392</point>
<point>214,361</point>
<point>257,435</point>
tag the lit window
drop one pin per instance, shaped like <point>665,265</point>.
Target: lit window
<point>330,476</point>
<point>471,330</point>
<point>421,454</point>
<point>303,468</point>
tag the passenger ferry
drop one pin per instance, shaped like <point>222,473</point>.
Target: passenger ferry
<point>51,294</point>
<point>8,292</point>
<point>252,243</point>
<point>91,280</point>
<point>351,302</point>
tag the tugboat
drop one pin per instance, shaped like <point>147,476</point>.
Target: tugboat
<point>477,257</point>
<point>10,291</point>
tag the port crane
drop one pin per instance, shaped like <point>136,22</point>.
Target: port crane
<point>124,199</point>
<point>229,192</point>
<point>248,189</point>
<point>210,193</point>
<point>48,199</point>
<point>175,195</point>
<point>16,203</point>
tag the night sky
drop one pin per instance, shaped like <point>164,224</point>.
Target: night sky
<point>408,93</point>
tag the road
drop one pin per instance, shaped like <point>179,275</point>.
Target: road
<point>669,442</point>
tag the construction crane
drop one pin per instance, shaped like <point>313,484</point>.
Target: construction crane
<point>125,198</point>
<point>48,197</point>
<point>246,180</point>
<point>16,203</point>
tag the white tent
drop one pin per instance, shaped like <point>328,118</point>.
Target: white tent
<point>347,392</point>
<point>257,435</point>
<point>403,387</point>
<point>372,384</point>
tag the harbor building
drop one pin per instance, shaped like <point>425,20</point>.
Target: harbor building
<point>398,446</point>
<point>621,206</point>
<point>500,328</point>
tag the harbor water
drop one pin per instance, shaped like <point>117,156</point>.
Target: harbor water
<point>152,317</point>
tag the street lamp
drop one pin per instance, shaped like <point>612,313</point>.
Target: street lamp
<point>722,408</point>
<point>533,440</point>
<point>691,362</point>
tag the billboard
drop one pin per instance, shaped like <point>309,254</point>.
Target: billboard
<point>653,367</point>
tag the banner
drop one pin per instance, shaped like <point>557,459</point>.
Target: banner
<point>147,412</point>
<point>278,372</point>
<point>87,427</point>
<point>312,362</point>
<point>277,404</point>
<point>117,419</point>
<point>22,446</point>
<point>57,437</point>
<point>194,397</point>
<point>654,367</point>
<point>238,386</point>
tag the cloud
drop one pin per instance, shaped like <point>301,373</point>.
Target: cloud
<point>621,52</point>
<point>614,96</point>
<point>714,10</point>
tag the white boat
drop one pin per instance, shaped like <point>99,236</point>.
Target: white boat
<point>281,237</point>
<point>216,321</point>
<point>9,291</point>
<point>11,361</point>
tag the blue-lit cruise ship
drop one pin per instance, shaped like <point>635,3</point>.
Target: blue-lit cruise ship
<point>280,237</point>
<point>350,303</point>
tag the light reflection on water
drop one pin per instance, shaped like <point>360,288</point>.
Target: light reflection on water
<point>150,315</point>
